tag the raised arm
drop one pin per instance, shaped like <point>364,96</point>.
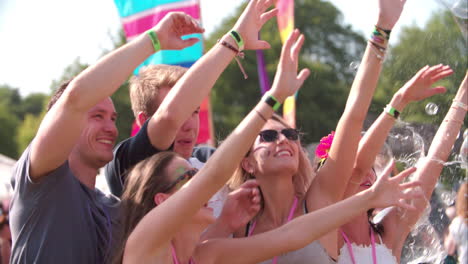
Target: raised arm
<point>299,232</point>
<point>63,124</point>
<point>430,168</point>
<point>332,178</point>
<point>217,170</point>
<point>418,88</point>
<point>187,95</point>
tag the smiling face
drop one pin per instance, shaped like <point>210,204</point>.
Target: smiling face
<point>368,180</point>
<point>278,156</point>
<point>98,137</point>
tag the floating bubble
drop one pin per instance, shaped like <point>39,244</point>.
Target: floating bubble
<point>460,9</point>
<point>354,65</point>
<point>432,109</point>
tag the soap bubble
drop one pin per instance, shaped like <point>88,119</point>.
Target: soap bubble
<point>432,109</point>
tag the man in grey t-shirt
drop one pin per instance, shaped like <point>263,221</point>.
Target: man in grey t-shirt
<point>57,216</point>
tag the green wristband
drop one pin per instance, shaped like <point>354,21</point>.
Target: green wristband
<point>238,39</point>
<point>154,39</point>
<point>392,111</point>
<point>272,101</point>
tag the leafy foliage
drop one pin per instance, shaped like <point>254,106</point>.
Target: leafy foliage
<point>329,49</point>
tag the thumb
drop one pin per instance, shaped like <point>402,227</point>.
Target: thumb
<point>260,45</point>
<point>189,42</point>
<point>303,75</point>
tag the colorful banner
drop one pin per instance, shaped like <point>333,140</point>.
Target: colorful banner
<point>285,20</point>
<point>137,16</point>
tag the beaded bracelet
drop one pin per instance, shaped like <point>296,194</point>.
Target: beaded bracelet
<point>239,54</point>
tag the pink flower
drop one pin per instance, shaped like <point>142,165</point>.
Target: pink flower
<point>324,147</point>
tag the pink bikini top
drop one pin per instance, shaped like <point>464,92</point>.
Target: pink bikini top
<point>290,217</point>
<point>350,248</point>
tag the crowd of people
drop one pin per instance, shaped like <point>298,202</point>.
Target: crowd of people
<point>257,198</point>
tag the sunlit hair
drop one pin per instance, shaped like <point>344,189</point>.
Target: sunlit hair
<point>58,93</point>
<point>301,179</point>
<point>144,181</point>
<point>462,201</point>
<point>145,87</point>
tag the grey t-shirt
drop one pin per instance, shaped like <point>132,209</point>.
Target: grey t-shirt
<point>59,219</point>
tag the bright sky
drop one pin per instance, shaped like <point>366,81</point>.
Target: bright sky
<point>38,39</point>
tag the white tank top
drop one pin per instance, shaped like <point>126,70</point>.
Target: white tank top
<point>363,254</point>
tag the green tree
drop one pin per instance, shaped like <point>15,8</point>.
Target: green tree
<point>440,41</point>
<point>27,130</point>
<point>329,49</point>
<point>8,129</point>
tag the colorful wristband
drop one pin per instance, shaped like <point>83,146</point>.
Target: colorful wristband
<point>391,111</point>
<point>272,101</point>
<point>154,39</point>
<point>238,39</point>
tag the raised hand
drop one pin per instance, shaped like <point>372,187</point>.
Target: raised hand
<point>391,192</point>
<point>389,12</point>
<point>241,206</point>
<point>419,87</point>
<point>175,25</point>
<point>251,21</point>
<point>287,81</point>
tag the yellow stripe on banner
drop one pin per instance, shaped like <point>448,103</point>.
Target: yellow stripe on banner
<point>289,111</point>
<point>284,33</point>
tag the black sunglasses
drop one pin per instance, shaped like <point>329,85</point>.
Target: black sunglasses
<point>271,135</point>
<point>181,180</point>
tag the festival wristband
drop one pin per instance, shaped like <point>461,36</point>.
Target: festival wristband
<point>459,104</point>
<point>154,39</point>
<point>272,101</point>
<point>391,111</point>
<point>238,39</point>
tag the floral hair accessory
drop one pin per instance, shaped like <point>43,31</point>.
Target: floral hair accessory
<point>324,147</point>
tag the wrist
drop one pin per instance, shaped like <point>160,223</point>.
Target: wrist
<point>278,98</point>
<point>384,25</point>
<point>398,102</point>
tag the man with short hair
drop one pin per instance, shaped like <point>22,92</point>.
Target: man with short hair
<point>147,92</point>
<point>57,215</point>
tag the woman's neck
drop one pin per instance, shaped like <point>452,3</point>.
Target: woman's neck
<point>357,230</point>
<point>186,240</point>
<point>278,196</point>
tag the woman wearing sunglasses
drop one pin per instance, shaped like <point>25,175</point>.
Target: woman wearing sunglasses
<point>287,182</point>
<point>155,190</point>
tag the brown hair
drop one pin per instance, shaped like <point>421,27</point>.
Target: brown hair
<point>145,87</point>
<point>301,180</point>
<point>144,181</point>
<point>461,204</point>
<point>54,98</point>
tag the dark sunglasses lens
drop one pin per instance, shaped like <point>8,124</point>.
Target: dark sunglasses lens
<point>268,135</point>
<point>290,133</point>
<point>191,172</point>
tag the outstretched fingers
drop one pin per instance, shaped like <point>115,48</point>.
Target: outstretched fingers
<point>403,175</point>
<point>296,48</point>
<point>268,15</point>
<point>442,73</point>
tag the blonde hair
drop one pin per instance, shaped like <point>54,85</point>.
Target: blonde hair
<point>145,87</point>
<point>301,179</point>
